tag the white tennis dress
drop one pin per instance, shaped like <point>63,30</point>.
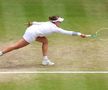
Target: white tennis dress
<point>43,29</point>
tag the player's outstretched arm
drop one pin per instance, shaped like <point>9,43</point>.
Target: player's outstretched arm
<point>73,33</point>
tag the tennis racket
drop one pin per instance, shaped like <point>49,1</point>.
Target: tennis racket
<point>101,34</point>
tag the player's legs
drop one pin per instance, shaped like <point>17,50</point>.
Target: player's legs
<point>19,44</point>
<point>44,42</point>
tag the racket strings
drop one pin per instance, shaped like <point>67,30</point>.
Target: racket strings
<point>103,34</point>
<point>94,35</point>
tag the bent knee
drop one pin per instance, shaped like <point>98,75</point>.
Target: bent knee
<point>43,40</point>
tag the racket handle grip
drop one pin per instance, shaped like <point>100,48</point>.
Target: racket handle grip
<point>88,35</point>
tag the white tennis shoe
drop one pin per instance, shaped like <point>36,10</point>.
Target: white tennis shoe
<point>47,62</point>
<point>1,53</point>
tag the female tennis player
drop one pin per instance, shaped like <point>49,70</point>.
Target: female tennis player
<point>37,31</point>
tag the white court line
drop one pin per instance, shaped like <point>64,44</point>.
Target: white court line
<point>56,72</point>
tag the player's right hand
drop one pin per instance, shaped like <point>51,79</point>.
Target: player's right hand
<point>83,36</point>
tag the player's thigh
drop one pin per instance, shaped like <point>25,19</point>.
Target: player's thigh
<point>21,43</point>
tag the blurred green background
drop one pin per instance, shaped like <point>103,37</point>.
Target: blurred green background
<point>86,16</point>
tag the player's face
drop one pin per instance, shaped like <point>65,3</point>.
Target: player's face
<point>58,23</point>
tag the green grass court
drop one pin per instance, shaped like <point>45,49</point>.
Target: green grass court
<point>69,53</point>
<point>54,82</point>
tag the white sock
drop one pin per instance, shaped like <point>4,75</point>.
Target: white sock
<point>45,57</point>
<point>1,53</point>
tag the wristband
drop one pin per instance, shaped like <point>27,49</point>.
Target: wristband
<point>76,33</point>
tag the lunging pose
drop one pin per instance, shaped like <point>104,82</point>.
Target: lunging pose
<point>37,31</point>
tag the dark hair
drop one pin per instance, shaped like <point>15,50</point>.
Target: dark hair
<point>53,18</point>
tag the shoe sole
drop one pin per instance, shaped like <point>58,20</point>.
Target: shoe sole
<point>47,64</point>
